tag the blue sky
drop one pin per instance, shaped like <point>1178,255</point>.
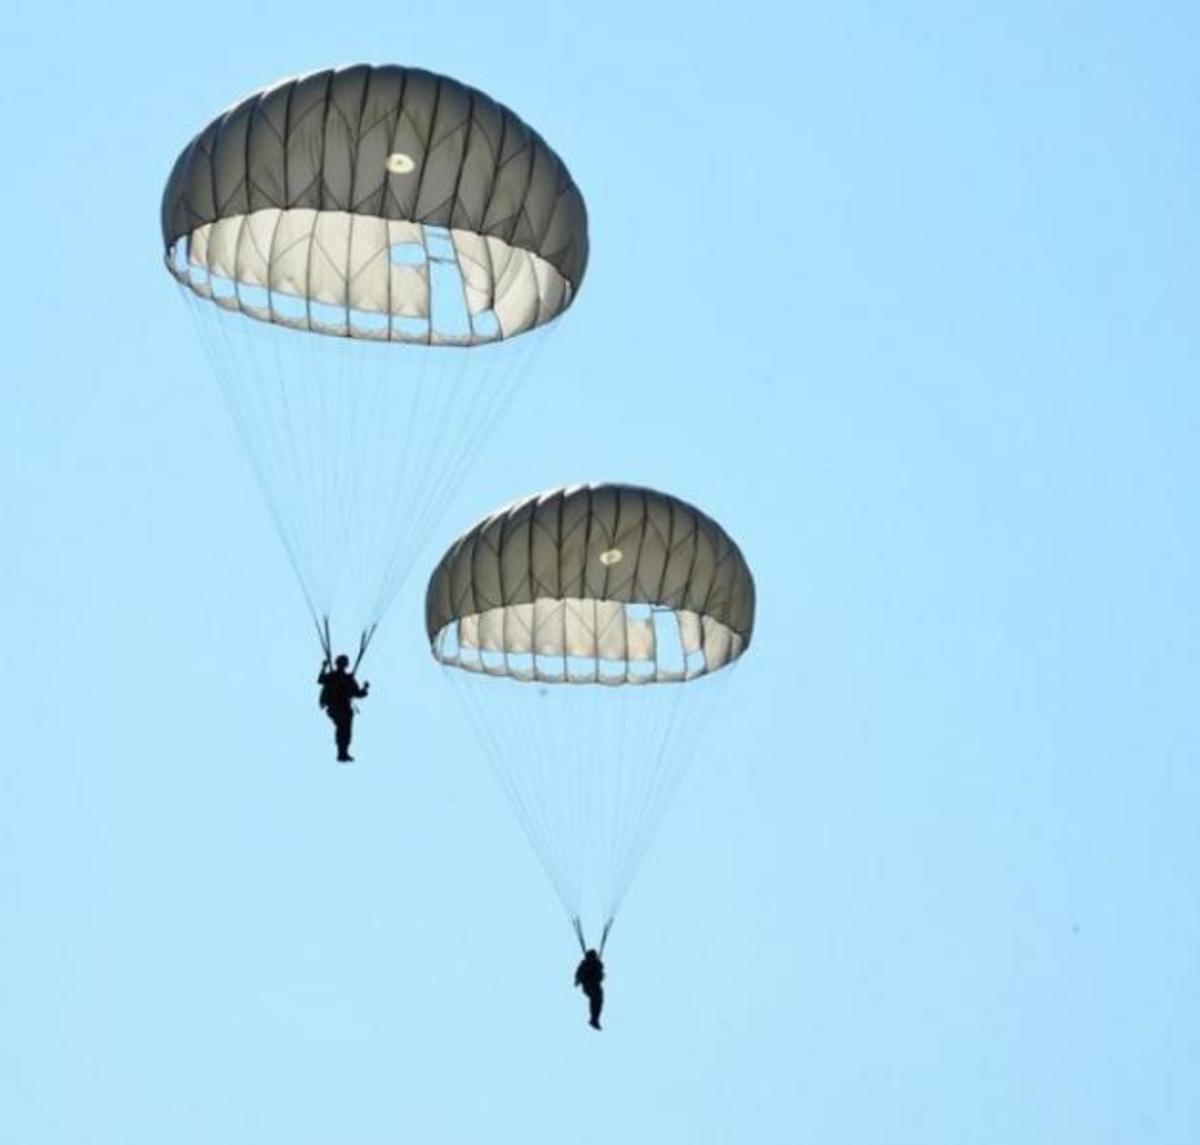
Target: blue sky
<point>906,298</point>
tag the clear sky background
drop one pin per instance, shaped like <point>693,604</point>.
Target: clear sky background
<point>906,297</point>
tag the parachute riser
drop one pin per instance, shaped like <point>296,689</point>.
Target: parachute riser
<point>364,642</point>
<point>323,636</point>
<point>577,926</point>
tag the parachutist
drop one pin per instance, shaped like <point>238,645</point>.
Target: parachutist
<point>589,975</point>
<point>339,690</point>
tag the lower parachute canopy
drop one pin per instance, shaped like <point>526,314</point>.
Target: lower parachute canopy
<point>586,630</point>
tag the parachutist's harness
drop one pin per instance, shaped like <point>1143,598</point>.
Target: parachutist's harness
<point>364,641</point>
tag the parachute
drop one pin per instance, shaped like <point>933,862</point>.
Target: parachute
<point>369,254</point>
<point>588,631</point>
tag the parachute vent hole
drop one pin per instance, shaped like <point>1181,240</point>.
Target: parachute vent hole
<point>551,667</point>
<point>486,324</point>
<point>581,668</point>
<point>398,163</point>
<point>254,297</point>
<point>469,657</point>
<point>641,671</point>
<point>612,671</point>
<point>198,276</point>
<point>447,301</point>
<point>329,317</point>
<point>520,665</point>
<point>222,287</point>
<point>447,643</point>
<point>407,254</point>
<point>411,329</point>
<point>289,307</point>
<point>369,323</point>
<point>668,643</point>
<point>611,557</point>
<point>440,244</point>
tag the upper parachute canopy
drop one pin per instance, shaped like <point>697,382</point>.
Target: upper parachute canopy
<point>605,583</point>
<point>338,201</point>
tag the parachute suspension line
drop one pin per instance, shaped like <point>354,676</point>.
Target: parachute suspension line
<point>485,404</point>
<point>604,936</point>
<point>419,459</point>
<point>564,778</point>
<point>331,389</point>
<point>489,731</point>
<point>535,764</point>
<point>678,740</point>
<point>400,479</point>
<point>626,762</point>
<point>222,368</point>
<point>383,484</point>
<point>302,474</point>
<point>579,933</point>
<point>647,754</point>
<point>635,828</point>
<point>364,642</point>
<point>357,446</point>
<point>667,771</point>
<point>588,770</point>
<point>247,388</point>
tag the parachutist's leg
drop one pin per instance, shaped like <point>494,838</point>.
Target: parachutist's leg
<point>344,727</point>
<point>595,1005</point>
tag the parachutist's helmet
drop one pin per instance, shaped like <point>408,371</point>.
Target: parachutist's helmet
<point>592,956</point>
<point>342,661</point>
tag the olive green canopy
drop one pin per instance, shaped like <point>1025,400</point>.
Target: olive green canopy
<point>611,582</point>
<point>325,202</point>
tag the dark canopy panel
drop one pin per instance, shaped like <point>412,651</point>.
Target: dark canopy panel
<point>391,142</point>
